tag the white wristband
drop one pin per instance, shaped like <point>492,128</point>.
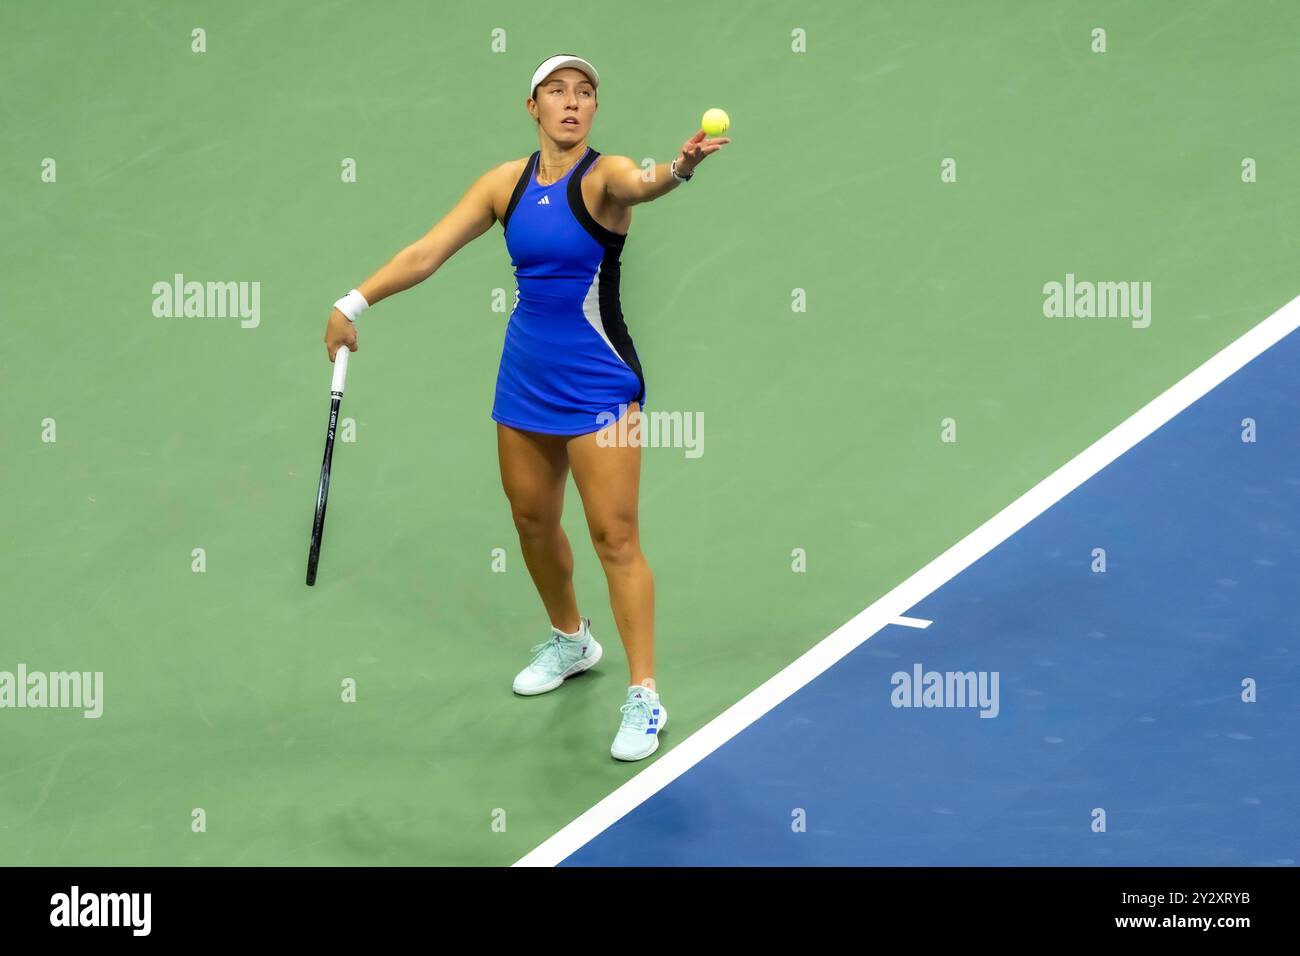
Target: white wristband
<point>352,305</point>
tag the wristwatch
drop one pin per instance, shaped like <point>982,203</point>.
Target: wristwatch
<point>681,179</point>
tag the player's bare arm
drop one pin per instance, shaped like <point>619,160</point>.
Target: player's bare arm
<point>626,186</point>
<point>472,216</point>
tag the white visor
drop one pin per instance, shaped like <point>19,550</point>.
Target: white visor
<point>559,62</point>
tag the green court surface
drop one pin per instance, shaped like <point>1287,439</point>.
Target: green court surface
<point>822,428</point>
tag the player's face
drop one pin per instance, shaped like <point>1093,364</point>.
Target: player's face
<point>566,105</point>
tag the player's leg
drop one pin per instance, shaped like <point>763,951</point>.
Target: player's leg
<point>534,469</point>
<point>608,478</point>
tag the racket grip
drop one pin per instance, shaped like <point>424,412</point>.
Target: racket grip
<point>340,370</point>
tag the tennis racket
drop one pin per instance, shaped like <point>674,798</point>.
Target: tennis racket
<point>323,489</point>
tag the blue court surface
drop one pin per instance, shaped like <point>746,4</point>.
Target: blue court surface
<point>1119,691</point>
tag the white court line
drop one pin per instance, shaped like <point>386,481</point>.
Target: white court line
<point>912,622</point>
<point>907,594</point>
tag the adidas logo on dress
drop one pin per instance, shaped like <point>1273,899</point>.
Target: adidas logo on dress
<point>544,201</point>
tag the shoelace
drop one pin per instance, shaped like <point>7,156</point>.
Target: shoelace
<point>539,651</point>
<point>640,707</point>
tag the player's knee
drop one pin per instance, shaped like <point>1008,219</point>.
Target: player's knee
<point>535,523</point>
<point>615,542</point>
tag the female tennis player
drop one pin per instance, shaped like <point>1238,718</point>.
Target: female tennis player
<point>568,372</point>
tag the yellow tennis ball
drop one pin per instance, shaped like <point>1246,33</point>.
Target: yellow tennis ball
<point>715,122</point>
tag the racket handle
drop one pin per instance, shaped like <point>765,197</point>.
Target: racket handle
<point>340,370</point>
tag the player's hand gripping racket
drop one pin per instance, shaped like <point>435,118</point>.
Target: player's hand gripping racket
<point>322,490</point>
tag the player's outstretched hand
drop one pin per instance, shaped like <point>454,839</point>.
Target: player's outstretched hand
<point>339,332</point>
<point>696,148</point>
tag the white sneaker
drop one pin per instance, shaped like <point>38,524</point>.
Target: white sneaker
<point>643,718</point>
<point>557,659</point>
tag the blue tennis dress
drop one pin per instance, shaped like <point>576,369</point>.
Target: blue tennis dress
<point>567,358</point>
